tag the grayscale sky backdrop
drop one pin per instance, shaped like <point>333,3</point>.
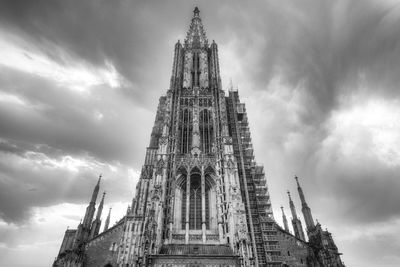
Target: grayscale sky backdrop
<point>79,86</point>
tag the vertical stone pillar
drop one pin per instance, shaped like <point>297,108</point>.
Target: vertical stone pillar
<point>203,204</point>
<point>187,208</point>
<point>219,210</point>
<point>196,129</point>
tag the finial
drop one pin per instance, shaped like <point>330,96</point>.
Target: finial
<point>100,176</point>
<point>290,197</point>
<point>297,180</point>
<point>196,11</point>
<point>104,193</point>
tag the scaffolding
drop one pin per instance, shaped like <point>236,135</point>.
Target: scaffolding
<point>259,207</point>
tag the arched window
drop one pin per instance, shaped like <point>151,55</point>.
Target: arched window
<point>183,207</point>
<point>195,213</point>
<point>196,69</point>
<point>206,131</point>
<point>185,130</point>
<point>195,203</point>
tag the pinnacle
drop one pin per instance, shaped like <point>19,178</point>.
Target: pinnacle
<point>196,36</point>
<point>196,11</point>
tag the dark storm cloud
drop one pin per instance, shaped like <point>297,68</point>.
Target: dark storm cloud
<point>324,46</point>
<point>32,179</point>
<point>99,32</point>
<point>66,121</point>
<point>54,123</point>
<point>327,52</point>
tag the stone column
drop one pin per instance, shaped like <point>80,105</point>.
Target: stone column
<point>203,204</point>
<point>219,212</point>
<point>196,130</point>
<point>187,208</point>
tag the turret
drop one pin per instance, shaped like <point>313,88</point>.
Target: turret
<point>297,227</point>
<point>107,223</point>
<point>285,222</point>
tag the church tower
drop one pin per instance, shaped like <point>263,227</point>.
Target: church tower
<point>200,191</point>
<point>201,199</point>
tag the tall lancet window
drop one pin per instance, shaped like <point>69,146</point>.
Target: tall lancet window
<point>185,126</point>
<point>195,203</point>
<point>183,207</point>
<point>196,69</point>
<point>206,131</point>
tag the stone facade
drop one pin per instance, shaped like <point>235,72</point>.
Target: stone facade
<point>103,249</point>
<point>201,199</point>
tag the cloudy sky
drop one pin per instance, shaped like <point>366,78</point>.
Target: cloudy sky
<point>79,86</point>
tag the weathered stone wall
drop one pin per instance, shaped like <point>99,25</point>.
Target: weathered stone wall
<point>294,250</point>
<point>103,249</point>
<point>68,240</point>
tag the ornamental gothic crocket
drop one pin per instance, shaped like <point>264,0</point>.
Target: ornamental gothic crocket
<point>201,199</point>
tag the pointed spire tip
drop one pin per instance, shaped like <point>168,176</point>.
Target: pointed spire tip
<point>297,180</point>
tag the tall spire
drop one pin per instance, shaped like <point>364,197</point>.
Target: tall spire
<point>107,223</point>
<point>292,207</point>
<point>96,190</point>
<point>196,36</point>
<point>97,222</point>
<point>304,207</point>
<point>100,208</point>
<point>87,220</point>
<point>296,223</point>
<point>285,222</point>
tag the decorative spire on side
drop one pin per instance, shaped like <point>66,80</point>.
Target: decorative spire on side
<point>297,227</point>
<point>91,208</point>
<point>285,222</point>
<point>97,222</point>
<point>100,209</point>
<point>107,223</point>
<point>96,190</point>
<point>292,207</point>
<point>84,228</point>
<point>304,207</point>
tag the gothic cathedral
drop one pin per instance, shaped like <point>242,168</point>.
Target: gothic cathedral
<point>201,200</point>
